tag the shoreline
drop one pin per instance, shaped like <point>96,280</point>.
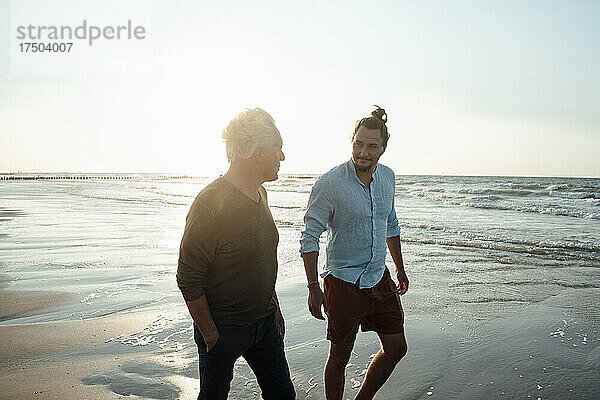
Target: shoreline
<point>535,351</point>
<point>28,343</point>
<point>20,303</point>
<point>50,359</point>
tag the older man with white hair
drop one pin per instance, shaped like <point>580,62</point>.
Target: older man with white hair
<point>228,265</point>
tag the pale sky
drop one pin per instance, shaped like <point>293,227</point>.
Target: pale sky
<point>470,87</point>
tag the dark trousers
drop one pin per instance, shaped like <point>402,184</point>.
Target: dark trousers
<point>261,346</point>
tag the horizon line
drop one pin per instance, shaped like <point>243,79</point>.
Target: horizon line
<point>291,174</point>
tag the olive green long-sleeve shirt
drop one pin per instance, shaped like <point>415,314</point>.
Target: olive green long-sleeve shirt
<point>229,253</point>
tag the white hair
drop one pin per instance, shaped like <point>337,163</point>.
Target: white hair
<point>246,132</point>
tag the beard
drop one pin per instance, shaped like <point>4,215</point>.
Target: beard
<point>364,168</point>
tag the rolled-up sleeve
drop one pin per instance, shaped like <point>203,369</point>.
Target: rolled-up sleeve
<point>318,212</point>
<point>198,246</point>
<point>392,221</point>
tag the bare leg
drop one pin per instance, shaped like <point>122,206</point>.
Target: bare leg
<point>393,348</point>
<point>335,369</point>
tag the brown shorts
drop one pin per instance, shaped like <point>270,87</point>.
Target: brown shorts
<point>374,309</point>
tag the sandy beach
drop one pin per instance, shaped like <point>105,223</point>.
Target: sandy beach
<point>49,359</point>
<point>21,303</point>
<point>502,302</point>
<point>535,353</point>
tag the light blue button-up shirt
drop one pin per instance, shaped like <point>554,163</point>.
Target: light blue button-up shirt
<point>357,219</point>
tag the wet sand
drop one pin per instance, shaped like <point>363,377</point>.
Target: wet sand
<point>536,351</point>
<point>56,379</point>
<point>19,303</point>
<point>48,360</point>
<point>25,342</point>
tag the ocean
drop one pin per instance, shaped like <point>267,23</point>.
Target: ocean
<point>504,278</point>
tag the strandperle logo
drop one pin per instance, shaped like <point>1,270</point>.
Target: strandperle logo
<point>84,31</point>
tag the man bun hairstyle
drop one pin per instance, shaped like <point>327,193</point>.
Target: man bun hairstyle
<point>377,121</point>
<point>379,113</point>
